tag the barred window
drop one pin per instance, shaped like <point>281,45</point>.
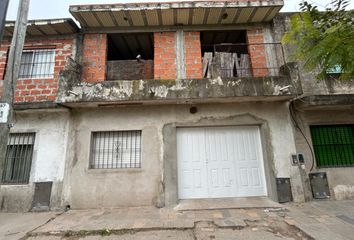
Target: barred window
<point>118,149</point>
<point>18,158</point>
<point>333,145</point>
<point>37,63</point>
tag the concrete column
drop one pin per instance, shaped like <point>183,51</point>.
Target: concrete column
<point>180,56</point>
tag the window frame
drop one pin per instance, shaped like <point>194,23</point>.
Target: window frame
<point>92,164</point>
<point>49,75</point>
<point>23,179</point>
<point>335,162</point>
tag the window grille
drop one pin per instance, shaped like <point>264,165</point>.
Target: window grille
<point>118,149</point>
<point>37,63</point>
<point>18,158</point>
<point>333,145</point>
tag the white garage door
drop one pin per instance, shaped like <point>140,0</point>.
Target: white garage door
<point>216,162</point>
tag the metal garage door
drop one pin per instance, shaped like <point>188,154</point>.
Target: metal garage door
<point>216,162</point>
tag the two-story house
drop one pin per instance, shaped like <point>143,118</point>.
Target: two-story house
<point>36,152</point>
<point>151,103</point>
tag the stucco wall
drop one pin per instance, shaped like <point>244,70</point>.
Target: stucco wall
<point>340,180</point>
<point>48,162</point>
<point>94,188</point>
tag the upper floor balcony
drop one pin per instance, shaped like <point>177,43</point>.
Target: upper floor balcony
<point>228,77</point>
<point>176,52</point>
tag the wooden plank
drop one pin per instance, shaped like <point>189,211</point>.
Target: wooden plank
<point>207,60</point>
<point>216,66</point>
<point>236,64</point>
<point>226,64</point>
<point>245,66</point>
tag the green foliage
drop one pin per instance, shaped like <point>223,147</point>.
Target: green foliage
<point>323,39</point>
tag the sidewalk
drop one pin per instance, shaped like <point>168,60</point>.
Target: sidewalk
<point>14,226</point>
<point>135,222</point>
<point>315,220</point>
<point>324,219</point>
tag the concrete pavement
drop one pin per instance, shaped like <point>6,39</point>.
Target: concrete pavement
<point>314,220</point>
<point>14,226</point>
<point>324,219</point>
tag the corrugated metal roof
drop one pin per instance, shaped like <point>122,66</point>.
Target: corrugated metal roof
<point>50,27</point>
<point>178,13</point>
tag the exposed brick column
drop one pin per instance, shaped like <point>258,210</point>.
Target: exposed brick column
<point>3,53</point>
<point>256,52</point>
<point>95,54</point>
<point>193,55</point>
<point>164,56</point>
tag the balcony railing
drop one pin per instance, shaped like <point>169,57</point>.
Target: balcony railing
<point>228,60</point>
<point>285,85</point>
<point>219,60</point>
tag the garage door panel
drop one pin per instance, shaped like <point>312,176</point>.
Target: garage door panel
<point>221,177</point>
<point>249,167</point>
<point>192,179</point>
<point>193,183</point>
<point>219,163</point>
<point>227,179</point>
<point>221,183</point>
<point>243,177</point>
<point>256,180</point>
<point>193,143</point>
<point>191,164</point>
<point>186,179</point>
<point>222,162</point>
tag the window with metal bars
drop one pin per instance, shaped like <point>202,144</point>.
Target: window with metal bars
<point>38,63</point>
<point>18,158</point>
<point>116,149</point>
<point>333,145</point>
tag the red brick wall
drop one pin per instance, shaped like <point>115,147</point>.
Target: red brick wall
<point>164,56</point>
<point>256,52</point>
<point>95,58</point>
<point>193,55</point>
<point>3,55</point>
<point>43,89</point>
<point>130,70</point>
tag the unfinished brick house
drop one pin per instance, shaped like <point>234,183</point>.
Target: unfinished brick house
<point>36,153</point>
<point>155,103</point>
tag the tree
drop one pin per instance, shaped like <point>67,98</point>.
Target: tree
<point>324,40</point>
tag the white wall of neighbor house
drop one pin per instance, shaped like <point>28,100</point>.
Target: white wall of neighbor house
<point>48,161</point>
<point>92,188</point>
<point>50,143</point>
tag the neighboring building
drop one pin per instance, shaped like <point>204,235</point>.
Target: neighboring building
<point>37,150</point>
<point>325,115</point>
<point>150,103</point>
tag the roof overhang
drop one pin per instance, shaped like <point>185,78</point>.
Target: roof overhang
<point>40,28</point>
<point>326,102</point>
<point>175,13</point>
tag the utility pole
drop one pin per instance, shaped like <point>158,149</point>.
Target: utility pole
<point>3,9</point>
<point>11,76</point>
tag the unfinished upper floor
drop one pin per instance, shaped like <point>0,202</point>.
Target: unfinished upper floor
<point>48,45</point>
<point>179,52</point>
<point>201,51</point>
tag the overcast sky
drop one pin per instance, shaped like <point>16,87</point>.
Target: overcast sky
<point>45,9</point>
